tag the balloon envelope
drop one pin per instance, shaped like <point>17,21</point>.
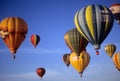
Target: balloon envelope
<point>75,41</point>
<point>35,39</point>
<point>94,22</point>
<point>13,31</point>
<point>115,8</point>
<point>110,49</point>
<point>79,62</point>
<point>40,72</point>
<point>66,59</point>
<point>116,60</point>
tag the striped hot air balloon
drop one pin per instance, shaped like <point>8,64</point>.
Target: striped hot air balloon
<point>66,59</point>
<point>79,62</point>
<point>115,8</point>
<point>35,39</point>
<point>13,31</point>
<point>110,49</point>
<point>75,41</point>
<point>116,60</point>
<point>94,22</point>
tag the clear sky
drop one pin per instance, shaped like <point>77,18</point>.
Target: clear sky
<point>51,19</point>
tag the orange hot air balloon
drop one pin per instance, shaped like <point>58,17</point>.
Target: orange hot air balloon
<point>13,31</point>
<point>75,41</point>
<point>110,49</point>
<point>35,39</point>
<point>66,59</point>
<point>79,62</point>
<point>116,60</point>
<point>40,72</point>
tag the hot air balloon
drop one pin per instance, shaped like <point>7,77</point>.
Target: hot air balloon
<point>40,72</point>
<point>35,39</point>
<point>116,60</point>
<point>66,59</point>
<point>75,41</point>
<point>110,49</point>
<point>94,22</point>
<point>79,62</point>
<point>13,31</point>
<point>115,8</point>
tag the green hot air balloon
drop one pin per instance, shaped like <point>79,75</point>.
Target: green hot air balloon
<point>94,22</point>
<point>75,41</point>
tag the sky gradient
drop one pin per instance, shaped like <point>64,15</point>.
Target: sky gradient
<point>51,19</point>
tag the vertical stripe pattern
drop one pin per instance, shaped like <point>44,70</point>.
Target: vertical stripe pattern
<point>94,22</point>
<point>66,59</point>
<point>35,39</point>
<point>116,60</point>
<point>17,29</point>
<point>75,41</point>
<point>110,49</point>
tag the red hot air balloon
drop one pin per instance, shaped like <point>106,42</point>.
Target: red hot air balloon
<point>40,72</point>
<point>35,39</point>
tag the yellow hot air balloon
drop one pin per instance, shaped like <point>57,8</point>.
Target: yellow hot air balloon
<point>79,63</point>
<point>13,31</point>
<point>116,60</point>
<point>110,49</point>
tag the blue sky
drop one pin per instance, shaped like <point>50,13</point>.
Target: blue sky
<point>51,19</point>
